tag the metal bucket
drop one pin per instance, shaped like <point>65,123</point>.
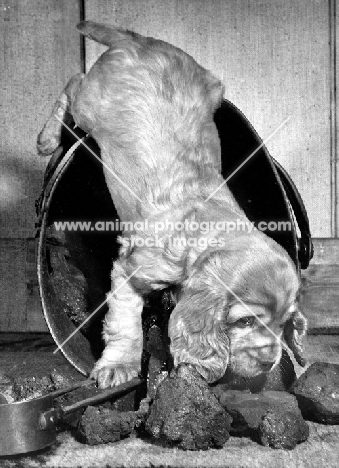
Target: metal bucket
<point>74,266</point>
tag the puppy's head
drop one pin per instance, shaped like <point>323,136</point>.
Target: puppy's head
<point>256,336</point>
<point>236,308</point>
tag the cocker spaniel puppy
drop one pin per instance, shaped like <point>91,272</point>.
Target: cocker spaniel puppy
<point>150,108</point>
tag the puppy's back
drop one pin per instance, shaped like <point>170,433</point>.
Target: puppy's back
<point>150,106</point>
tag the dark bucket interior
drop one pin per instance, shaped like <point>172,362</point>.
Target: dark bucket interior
<point>74,266</point>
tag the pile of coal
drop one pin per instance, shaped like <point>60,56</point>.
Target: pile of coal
<point>28,388</point>
<point>317,391</point>
<point>100,425</point>
<point>271,418</point>
<point>186,414</point>
<point>72,420</point>
<point>282,430</point>
<point>108,422</point>
<point>122,404</point>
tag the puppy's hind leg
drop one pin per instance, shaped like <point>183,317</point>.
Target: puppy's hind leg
<point>50,136</point>
<point>121,358</point>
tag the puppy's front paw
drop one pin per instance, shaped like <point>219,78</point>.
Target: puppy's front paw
<point>111,375</point>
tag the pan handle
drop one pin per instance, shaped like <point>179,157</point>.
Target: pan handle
<point>50,418</point>
<point>70,388</point>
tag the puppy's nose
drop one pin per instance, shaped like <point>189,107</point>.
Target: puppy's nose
<point>266,365</point>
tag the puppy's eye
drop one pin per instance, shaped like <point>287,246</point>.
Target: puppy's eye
<point>245,322</point>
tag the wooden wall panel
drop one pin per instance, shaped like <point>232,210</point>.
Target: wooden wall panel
<point>40,51</point>
<point>334,69</point>
<point>320,287</point>
<point>274,58</point>
<point>20,307</point>
<point>13,288</point>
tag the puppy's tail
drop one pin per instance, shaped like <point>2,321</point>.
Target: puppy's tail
<point>107,35</point>
<point>50,136</point>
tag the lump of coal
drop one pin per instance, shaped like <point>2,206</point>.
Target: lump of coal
<point>27,388</point>
<point>35,375</point>
<point>185,413</point>
<point>248,408</point>
<point>63,379</point>
<point>100,425</point>
<point>282,430</point>
<point>271,417</point>
<point>70,398</point>
<point>317,391</point>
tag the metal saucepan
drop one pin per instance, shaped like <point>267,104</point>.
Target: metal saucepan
<point>30,425</point>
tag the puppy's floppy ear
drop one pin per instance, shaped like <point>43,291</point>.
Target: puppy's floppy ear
<point>294,331</point>
<point>197,333</point>
<point>106,34</point>
<point>50,136</point>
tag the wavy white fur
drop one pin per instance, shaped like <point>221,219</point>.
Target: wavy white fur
<point>150,107</point>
